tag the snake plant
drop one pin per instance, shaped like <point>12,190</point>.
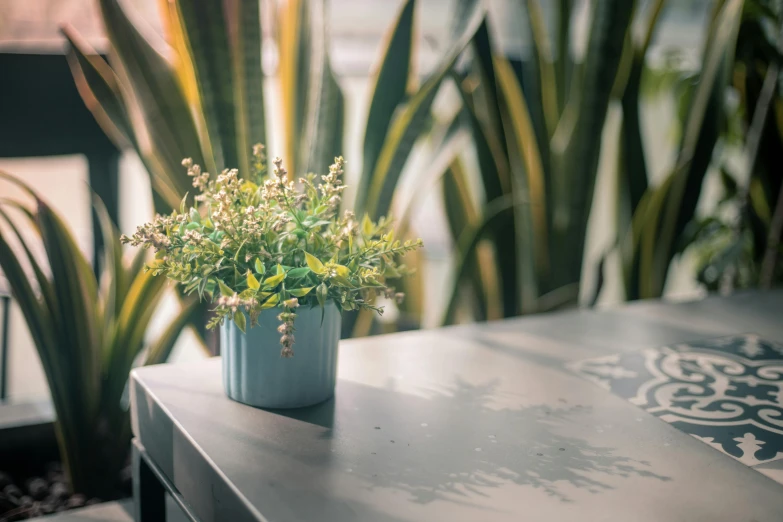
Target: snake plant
<point>198,92</point>
<point>537,145</point>
<point>88,331</point>
<point>738,244</point>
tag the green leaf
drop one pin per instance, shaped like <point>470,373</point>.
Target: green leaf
<point>87,340</point>
<point>542,54</point>
<point>161,348</point>
<point>259,266</point>
<point>468,241</point>
<point>279,269</point>
<point>240,320</point>
<point>632,182</point>
<point>253,283</point>
<point>245,41</point>
<point>490,149</point>
<point>36,314</point>
<point>322,120</point>
<point>563,64</point>
<point>300,292</point>
<point>45,286</point>
<point>394,78</point>
<point>74,285</point>
<point>224,289</point>
<point>273,281</point>
<point>375,192</point>
<point>271,302</point>
<point>367,226</point>
<point>673,203</point>
<point>297,273</point>
<point>461,213</point>
<point>161,101</point>
<point>321,293</point>
<point>521,128</point>
<point>295,49</point>
<point>343,281</point>
<point>577,140</point>
<point>195,217</point>
<point>112,270</point>
<point>94,78</point>
<point>314,263</point>
<point>200,31</point>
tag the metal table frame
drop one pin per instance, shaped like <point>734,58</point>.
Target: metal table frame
<point>150,486</point>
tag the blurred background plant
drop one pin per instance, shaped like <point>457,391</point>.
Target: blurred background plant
<point>207,102</point>
<point>518,200</point>
<point>537,133</point>
<point>89,331</point>
<point>537,146</point>
<point>738,246</point>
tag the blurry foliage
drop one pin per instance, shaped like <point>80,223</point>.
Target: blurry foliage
<point>89,332</point>
<point>536,132</point>
<point>663,212</point>
<point>738,246</point>
<point>538,143</point>
<point>538,136</point>
<point>207,100</point>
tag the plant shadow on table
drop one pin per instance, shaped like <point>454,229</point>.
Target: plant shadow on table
<point>456,444</point>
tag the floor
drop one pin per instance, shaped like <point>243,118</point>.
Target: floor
<point>120,511</point>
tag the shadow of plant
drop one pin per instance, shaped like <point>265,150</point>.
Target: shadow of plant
<point>452,443</point>
<point>454,446</point>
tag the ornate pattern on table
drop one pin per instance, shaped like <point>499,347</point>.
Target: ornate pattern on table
<point>726,392</point>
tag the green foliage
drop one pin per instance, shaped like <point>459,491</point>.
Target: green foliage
<point>664,212</point>
<point>537,152</point>
<point>264,242</point>
<point>738,245</point>
<point>205,98</point>
<point>208,101</point>
<point>88,333</point>
<point>537,142</point>
<point>538,146</point>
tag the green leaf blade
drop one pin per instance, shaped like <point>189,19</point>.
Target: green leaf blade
<point>252,282</point>
<point>390,83</point>
<point>314,263</point>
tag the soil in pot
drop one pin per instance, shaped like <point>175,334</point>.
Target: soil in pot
<point>37,492</point>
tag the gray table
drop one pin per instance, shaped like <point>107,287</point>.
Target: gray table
<point>480,422</point>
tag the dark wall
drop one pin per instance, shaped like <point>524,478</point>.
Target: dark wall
<point>42,114</point>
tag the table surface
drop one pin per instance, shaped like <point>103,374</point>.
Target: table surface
<point>476,422</point>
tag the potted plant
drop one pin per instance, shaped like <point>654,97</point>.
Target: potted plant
<point>89,328</point>
<point>279,262</point>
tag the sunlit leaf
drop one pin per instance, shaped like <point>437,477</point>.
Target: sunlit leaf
<point>253,283</point>
<point>271,302</point>
<point>314,263</point>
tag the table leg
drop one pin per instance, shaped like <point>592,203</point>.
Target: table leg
<point>149,497</point>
